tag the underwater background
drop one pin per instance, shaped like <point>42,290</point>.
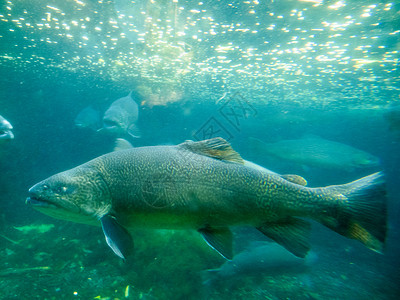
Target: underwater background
<point>243,70</point>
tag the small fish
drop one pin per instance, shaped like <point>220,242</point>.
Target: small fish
<point>121,117</point>
<point>259,258</point>
<point>41,228</point>
<point>88,118</point>
<point>208,187</point>
<point>317,152</point>
<point>5,130</point>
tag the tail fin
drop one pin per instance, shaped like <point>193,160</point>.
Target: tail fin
<point>362,213</point>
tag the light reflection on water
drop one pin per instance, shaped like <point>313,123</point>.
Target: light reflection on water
<point>347,50</point>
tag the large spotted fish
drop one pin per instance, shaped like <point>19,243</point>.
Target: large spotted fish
<point>208,187</point>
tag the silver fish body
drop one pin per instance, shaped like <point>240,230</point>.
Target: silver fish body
<point>259,258</point>
<point>121,117</point>
<point>5,130</point>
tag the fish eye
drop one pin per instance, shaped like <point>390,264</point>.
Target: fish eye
<point>63,190</point>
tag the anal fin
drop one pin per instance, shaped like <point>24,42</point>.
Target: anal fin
<point>117,237</point>
<point>292,233</point>
<point>220,239</point>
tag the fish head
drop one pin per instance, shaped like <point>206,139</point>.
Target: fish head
<point>120,115</point>
<point>5,129</point>
<point>115,121</point>
<point>79,195</point>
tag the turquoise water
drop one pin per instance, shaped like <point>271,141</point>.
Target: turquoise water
<point>270,70</point>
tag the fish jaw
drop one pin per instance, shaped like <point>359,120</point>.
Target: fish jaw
<point>113,126</point>
<point>6,135</point>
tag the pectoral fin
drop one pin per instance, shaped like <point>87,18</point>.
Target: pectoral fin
<point>117,237</point>
<point>134,131</point>
<point>220,239</point>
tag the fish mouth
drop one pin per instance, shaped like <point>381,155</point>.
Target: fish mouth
<point>110,124</point>
<point>57,210</point>
<point>40,203</point>
<point>6,135</point>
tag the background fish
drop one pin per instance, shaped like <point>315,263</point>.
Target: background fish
<point>392,116</point>
<point>88,118</point>
<point>5,130</point>
<point>317,152</point>
<point>121,117</point>
<point>257,259</point>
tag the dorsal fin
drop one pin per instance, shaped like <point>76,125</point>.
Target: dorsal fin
<point>217,148</point>
<point>297,179</point>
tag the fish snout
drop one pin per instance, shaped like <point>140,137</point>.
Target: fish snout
<point>36,193</point>
<point>37,187</point>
